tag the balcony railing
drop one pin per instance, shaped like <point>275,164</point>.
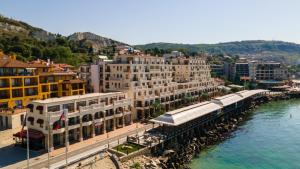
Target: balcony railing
<point>92,107</point>
<point>17,74</point>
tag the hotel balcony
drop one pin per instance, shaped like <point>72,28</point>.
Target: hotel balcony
<point>4,94</point>
<point>134,79</point>
<point>30,82</point>
<point>17,73</point>
<point>4,83</point>
<point>127,70</point>
<point>119,114</point>
<point>17,93</point>
<point>31,91</point>
<point>16,82</point>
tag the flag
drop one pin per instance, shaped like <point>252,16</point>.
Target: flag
<point>61,118</point>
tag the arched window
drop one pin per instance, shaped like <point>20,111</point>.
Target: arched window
<point>30,107</point>
<point>41,122</point>
<point>31,120</point>
<point>40,109</point>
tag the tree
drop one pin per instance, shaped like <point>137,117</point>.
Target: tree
<point>156,105</point>
<point>235,89</point>
<point>188,99</point>
<point>35,51</point>
<point>205,96</point>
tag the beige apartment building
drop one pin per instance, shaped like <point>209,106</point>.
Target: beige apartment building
<point>88,115</point>
<point>268,71</point>
<point>158,83</point>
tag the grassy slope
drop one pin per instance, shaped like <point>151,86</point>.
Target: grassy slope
<point>275,50</point>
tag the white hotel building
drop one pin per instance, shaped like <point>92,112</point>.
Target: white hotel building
<point>88,115</point>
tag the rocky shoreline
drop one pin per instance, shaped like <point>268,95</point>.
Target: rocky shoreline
<point>184,150</point>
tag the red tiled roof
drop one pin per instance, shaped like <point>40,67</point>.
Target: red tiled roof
<point>7,62</point>
<point>62,65</point>
<point>37,65</point>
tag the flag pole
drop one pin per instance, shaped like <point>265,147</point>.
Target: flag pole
<point>48,138</point>
<point>66,134</point>
<point>27,136</point>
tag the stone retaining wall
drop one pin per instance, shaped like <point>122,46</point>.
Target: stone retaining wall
<point>142,151</point>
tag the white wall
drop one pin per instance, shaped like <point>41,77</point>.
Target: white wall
<point>95,78</point>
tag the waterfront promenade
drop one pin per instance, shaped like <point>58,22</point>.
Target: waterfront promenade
<point>110,139</point>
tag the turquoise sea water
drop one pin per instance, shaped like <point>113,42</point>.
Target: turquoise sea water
<point>269,139</point>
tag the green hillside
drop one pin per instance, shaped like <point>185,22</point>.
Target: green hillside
<point>267,50</point>
<point>29,43</point>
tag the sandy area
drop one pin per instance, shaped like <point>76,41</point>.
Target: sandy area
<point>95,162</point>
<point>144,161</point>
<point>105,163</point>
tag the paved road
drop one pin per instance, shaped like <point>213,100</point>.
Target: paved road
<point>43,163</point>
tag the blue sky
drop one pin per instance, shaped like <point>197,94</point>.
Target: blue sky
<point>178,21</point>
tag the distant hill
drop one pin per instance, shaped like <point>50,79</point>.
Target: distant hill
<point>96,42</point>
<point>29,43</point>
<point>266,50</point>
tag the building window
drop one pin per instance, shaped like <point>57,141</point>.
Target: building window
<point>40,109</point>
<point>80,104</point>
<point>41,122</point>
<point>69,106</point>
<point>95,101</point>
<point>31,120</point>
<point>30,107</point>
<point>53,108</point>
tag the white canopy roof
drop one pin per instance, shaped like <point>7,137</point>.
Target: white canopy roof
<point>249,93</point>
<point>189,113</point>
<point>227,99</point>
<point>186,114</point>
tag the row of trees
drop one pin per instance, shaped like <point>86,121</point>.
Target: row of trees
<point>159,109</point>
<point>160,52</point>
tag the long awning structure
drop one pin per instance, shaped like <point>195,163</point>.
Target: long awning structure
<point>33,134</point>
<point>227,99</point>
<point>186,114</point>
<point>250,93</point>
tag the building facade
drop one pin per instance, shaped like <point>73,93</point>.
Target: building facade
<point>87,116</point>
<point>158,83</point>
<point>268,71</point>
<point>241,70</point>
<point>93,74</point>
<point>217,70</point>
<point>22,82</point>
